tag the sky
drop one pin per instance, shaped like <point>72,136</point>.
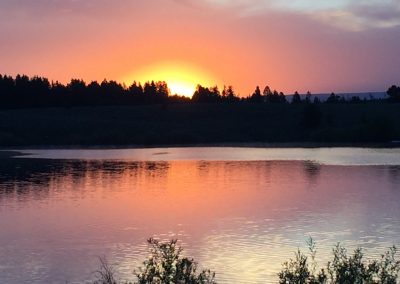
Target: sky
<point>290,45</point>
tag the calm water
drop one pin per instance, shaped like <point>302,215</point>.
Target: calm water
<point>241,212</point>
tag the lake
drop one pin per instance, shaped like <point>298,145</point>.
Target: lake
<point>238,211</point>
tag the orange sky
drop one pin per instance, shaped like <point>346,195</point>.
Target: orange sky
<point>299,45</point>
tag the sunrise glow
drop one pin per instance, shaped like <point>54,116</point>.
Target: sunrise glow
<point>239,137</point>
<point>305,45</point>
<point>181,78</point>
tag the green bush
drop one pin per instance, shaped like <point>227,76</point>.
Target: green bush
<point>164,266</point>
<point>343,269</point>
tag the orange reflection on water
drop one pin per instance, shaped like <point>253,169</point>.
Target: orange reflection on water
<point>242,219</point>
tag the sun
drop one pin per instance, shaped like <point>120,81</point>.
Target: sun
<point>181,88</point>
<point>181,78</point>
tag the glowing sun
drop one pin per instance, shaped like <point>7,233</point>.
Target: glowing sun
<point>181,78</point>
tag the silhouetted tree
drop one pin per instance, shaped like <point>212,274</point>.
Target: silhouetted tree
<point>149,91</point>
<point>37,91</point>
<point>59,92</point>
<point>162,92</point>
<point>256,97</point>
<point>267,93</point>
<point>23,91</point>
<point>206,95</point>
<point>316,100</point>
<point>282,98</point>
<point>394,94</point>
<point>7,89</point>
<point>94,93</point>
<point>22,85</point>
<point>231,96</point>
<point>308,98</point>
<point>296,99</point>
<point>224,93</point>
<point>332,99</point>
<point>136,93</point>
<point>112,89</point>
<point>76,87</point>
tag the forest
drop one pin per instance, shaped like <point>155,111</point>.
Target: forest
<point>24,92</point>
<point>35,112</point>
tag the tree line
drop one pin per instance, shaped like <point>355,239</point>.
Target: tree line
<point>24,91</point>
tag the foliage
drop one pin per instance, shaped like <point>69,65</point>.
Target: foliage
<point>333,99</point>
<point>394,94</point>
<point>25,92</point>
<point>300,271</point>
<point>256,97</point>
<point>164,266</point>
<point>312,115</point>
<point>206,95</point>
<point>199,124</point>
<point>343,269</point>
<point>296,98</point>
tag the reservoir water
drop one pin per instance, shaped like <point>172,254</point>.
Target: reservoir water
<point>241,212</point>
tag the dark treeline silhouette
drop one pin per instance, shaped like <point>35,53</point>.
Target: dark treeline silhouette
<point>23,91</point>
<point>267,96</point>
<point>213,95</point>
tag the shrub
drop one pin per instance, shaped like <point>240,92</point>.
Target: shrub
<point>164,266</point>
<point>300,271</point>
<point>167,266</point>
<point>343,269</point>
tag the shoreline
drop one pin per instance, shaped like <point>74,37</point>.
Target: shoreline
<point>309,145</point>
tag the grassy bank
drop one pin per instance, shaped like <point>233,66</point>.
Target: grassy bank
<point>191,124</point>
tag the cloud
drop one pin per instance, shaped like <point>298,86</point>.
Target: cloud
<point>253,5</point>
<point>55,8</point>
<point>361,17</point>
<point>349,15</point>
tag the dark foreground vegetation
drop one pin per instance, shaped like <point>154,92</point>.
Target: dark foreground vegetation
<point>167,266</point>
<point>202,124</point>
<point>342,268</point>
<point>36,112</point>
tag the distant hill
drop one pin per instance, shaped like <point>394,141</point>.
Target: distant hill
<point>362,96</point>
